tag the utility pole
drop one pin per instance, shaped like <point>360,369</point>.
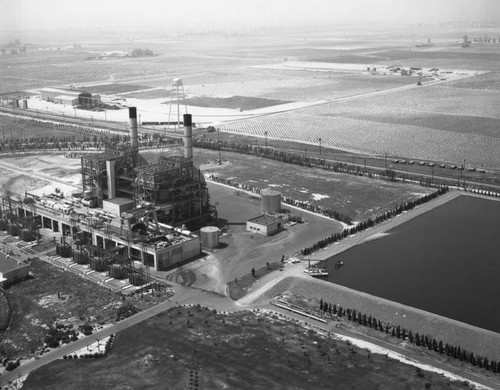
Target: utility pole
<point>319,141</point>
<point>218,145</point>
<point>265,134</point>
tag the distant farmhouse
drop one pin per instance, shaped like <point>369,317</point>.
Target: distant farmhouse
<point>69,97</point>
<point>11,270</point>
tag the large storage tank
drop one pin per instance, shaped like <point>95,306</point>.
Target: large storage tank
<point>209,236</point>
<point>270,201</point>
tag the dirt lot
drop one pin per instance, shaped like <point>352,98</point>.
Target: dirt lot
<point>357,197</point>
<point>195,348</point>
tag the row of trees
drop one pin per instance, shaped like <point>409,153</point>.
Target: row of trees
<point>419,340</point>
<point>371,222</point>
<point>304,160</point>
<point>89,139</point>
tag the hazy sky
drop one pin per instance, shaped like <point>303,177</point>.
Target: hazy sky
<point>35,14</point>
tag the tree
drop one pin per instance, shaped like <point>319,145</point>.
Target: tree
<point>253,272</point>
<point>321,304</point>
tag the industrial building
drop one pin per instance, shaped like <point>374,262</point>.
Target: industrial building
<point>11,270</point>
<point>270,221</point>
<point>264,224</point>
<point>69,97</point>
<point>142,211</point>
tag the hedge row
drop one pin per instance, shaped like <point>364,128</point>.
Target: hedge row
<point>419,340</point>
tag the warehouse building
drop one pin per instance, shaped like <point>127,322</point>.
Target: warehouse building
<point>70,97</point>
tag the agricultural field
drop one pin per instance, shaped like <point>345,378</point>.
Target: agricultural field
<point>112,89</point>
<point>197,348</point>
<point>450,122</point>
<point>485,82</point>
<point>370,137</point>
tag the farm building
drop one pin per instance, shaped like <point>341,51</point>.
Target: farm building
<point>264,224</point>
<point>11,270</point>
<point>70,97</point>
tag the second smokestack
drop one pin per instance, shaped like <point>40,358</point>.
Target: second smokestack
<point>188,136</point>
<point>132,114</point>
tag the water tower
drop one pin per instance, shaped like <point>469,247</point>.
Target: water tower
<point>177,92</point>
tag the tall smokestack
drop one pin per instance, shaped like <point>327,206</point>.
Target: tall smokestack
<point>188,136</point>
<point>132,114</point>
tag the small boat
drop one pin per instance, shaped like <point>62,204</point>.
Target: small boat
<point>316,272</point>
<point>339,263</point>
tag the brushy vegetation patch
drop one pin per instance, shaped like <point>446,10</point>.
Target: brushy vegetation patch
<point>194,347</point>
<point>51,295</point>
<point>55,296</point>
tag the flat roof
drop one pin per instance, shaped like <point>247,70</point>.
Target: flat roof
<point>118,201</point>
<point>265,219</point>
<point>62,90</point>
<point>8,264</point>
<point>66,97</point>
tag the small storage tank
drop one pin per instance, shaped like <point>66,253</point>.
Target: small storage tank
<point>270,201</point>
<point>209,236</point>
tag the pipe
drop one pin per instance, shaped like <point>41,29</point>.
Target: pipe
<point>132,114</point>
<point>188,137</point>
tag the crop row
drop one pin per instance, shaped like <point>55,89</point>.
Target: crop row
<point>375,138</point>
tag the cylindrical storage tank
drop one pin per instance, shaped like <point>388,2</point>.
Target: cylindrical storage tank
<point>80,257</point>
<point>64,250</point>
<point>270,201</point>
<point>13,229</point>
<point>118,271</point>
<point>27,235</point>
<point>99,265</point>
<point>209,236</point>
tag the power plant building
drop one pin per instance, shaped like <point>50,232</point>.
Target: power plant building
<point>147,210</point>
